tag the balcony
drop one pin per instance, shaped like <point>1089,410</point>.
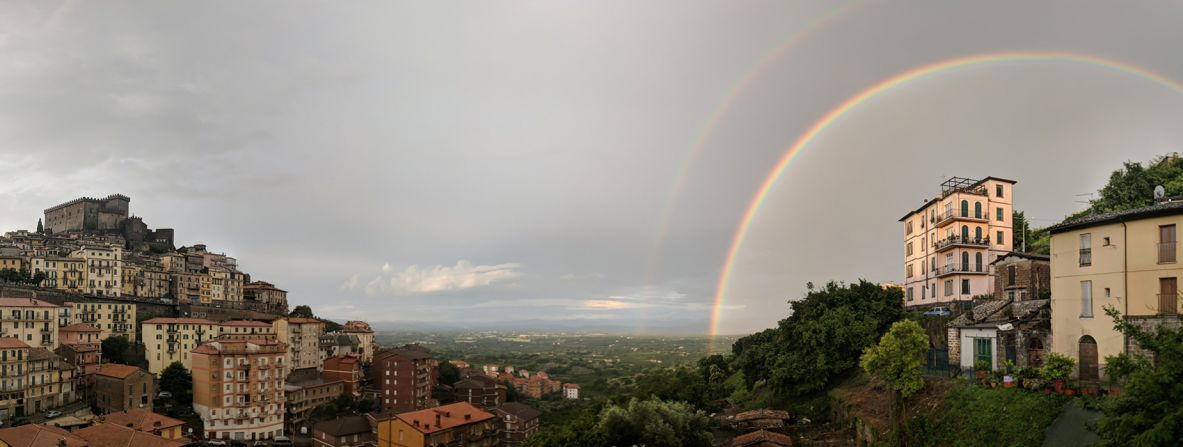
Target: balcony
<point>1168,304</point>
<point>957,241</point>
<point>959,269</point>
<point>951,216</point>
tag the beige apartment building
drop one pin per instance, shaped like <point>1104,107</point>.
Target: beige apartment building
<point>1127,260</point>
<point>31,321</point>
<point>303,338</point>
<point>144,282</point>
<point>104,269</point>
<point>168,340</point>
<point>365,337</point>
<point>238,388</point>
<point>67,274</point>
<point>109,318</point>
<point>50,381</point>
<point>950,241</point>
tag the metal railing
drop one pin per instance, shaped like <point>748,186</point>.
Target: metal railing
<point>958,240</point>
<point>1166,252</point>
<point>959,268</point>
<point>1168,304</point>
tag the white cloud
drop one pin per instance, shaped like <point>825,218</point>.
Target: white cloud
<point>440,278</point>
<point>351,283</point>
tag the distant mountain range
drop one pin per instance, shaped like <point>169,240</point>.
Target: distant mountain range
<point>667,327</point>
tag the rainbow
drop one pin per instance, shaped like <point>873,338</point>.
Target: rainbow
<point>862,97</point>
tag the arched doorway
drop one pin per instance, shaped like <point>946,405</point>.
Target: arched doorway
<point>1035,352</point>
<point>1089,369</point>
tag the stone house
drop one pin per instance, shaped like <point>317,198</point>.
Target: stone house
<point>1022,276</point>
<point>1000,330</point>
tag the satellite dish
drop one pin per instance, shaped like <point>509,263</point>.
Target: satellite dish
<point>1159,192</point>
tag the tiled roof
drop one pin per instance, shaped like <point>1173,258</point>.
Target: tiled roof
<point>450,416</point>
<point>39,436</point>
<point>111,435</point>
<point>763,413</point>
<point>762,438</point>
<point>1159,209</point>
<point>1017,254</point>
<point>117,371</point>
<point>350,425</point>
<point>79,327</point>
<point>520,410</point>
<point>141,419</point>
<point>40,354</point>
<point>302,320</point>
<point>995,311</point>
<point>245,323</point>
<point>11,343</point>
<point>25,302</point>
<point>179,321</point>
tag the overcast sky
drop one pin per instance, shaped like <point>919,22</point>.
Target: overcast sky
<point>493,161</point>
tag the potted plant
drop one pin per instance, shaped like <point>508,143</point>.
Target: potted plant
<point>1069,390</point>
<point>1119,367</point>
<point>981,370</point>
<point>1056,369</point>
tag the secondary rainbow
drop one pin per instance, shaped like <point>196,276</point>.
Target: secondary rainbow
<point>883,86</point>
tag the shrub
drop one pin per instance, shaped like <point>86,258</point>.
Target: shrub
<point>1057,367</point>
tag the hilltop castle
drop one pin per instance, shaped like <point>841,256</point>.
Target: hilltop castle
<point>108,215</point>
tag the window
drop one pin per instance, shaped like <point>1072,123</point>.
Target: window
<point>977,210</point>
<point>908,227</point>
<point>984,351</point>
<point>1086,249</point>
<point>1000,239</point>
<point>910,290</point>
<point>997,190</point>
<point>964,261</point>
<point>1010,275</point>
<point>949,287</point>
<point>923,265</point>
<point>998,214</point>
<point>1166,244</point>
<point>909,249</point>
<point>964,208</point>
<point>964,233</point>
<point>1168,302</point>
<point>965,287</point>
<point>1086,299</point>
<point>978,234</point>
<point>908,271</point>
<point>978,262</point>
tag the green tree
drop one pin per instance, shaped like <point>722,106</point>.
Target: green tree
<point>365,405</point>
<point>821,340</point>
<point>114,348</point>
<point>177,381</point>
<point>331,326</point>
<point>449,374</point>
<point>897,361</point>
<point>1148,413</point>
<point>655,423</point>
<point>302,311</point>
<point>40,228</point>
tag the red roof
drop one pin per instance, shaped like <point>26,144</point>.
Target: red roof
<point>571,385</point>
<point>79,327</point>
<point>141,419</point>
<point>450,416</point>
<point>39,436</point>
<point>762,438</point>
<point>179,321</point>
<point>117,371</point>
<point>12,343</point>
<point>245,323</point>
<point>111,435</point>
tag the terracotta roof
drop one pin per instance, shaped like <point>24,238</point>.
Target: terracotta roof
<point>141,419</point>
<point>356,326</point>
<point>350,425</point>
<point>39,436</point>
<point>763,413</point>
<point>450,416</point>
<point>179,321</point>
<point>1018,254</point>
<point>762,438</point>
<point>117,371</point>
<point>573,386</point>
<point>111,435</point>
<point>11,343</point>
<point>25,302</point>
<point>40,353</point>
<point>245,323</point>
<point>79,327</point>
<point>522,411</point>
<point>302,320</point>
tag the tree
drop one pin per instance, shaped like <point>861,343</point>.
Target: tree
<point>821,340</point>
<point>114,348</point>
<point>302,311</point>
<point>331,326</point>
<point>177,381</point>
<point>897,361</point>
<point>40,228</point>
<point>449,374</point>
<point>365,405</point>
<point>655,423</point>
<point>1148,413</point>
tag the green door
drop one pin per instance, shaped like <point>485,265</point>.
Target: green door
<point>984,351</point>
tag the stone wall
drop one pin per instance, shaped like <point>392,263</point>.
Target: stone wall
<point>1149,324</point>
<point>954,340</point>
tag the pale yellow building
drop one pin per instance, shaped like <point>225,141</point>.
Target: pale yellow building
<point>31,321</point>
<point>144,282</point>
<point>1128,260</point>
<point>13,263</point>
<point>950,241</point>
<point>104,269</point>
<point>109,318</point>
<point>303,338</point>
<point>168,340</point>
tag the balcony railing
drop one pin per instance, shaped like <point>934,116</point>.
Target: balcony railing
<point>950,216</point>
<point>956,241</point>
<point>1168,304</point>
<point>953,269</point>
<point>1086,257</point>
<point>1166,252</point>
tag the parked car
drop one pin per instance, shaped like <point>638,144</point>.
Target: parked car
<point>52,414</point>
<point>281,441</point>
<point>939,311</point>
<point>217,442</point>
<point>164,394</point>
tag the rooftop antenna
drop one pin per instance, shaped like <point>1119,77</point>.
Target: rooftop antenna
<point>1087,202</point>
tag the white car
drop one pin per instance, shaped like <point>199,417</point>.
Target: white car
<point>218,442</point>
<point>52,414</point>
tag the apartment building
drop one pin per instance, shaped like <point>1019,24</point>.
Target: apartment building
<point>112,319</point>
<point>185,287</point>
<point>238,388</point>
<point>14,354</point>
<point>50,381</point>
<point>457,425</point>
<point>122,387</point>
<point>34,322</point>
<point>266,296</point>
<point>480,391</point>
<point>348,431</point>
<point>950,241</point>
<point>247,330</point>
<point>337,344</point>
<point>304,391</point>
<point>144,282</point>
<point>302,336</point>
<point>1127,260</point>
<point>104,269</point>
<point>403,378</point>
<point>365,337</point>
<point>65,274</point>
<point>14,263</point>
<point>517,422</point>
<point>168,340</point>
<point>346,369</point>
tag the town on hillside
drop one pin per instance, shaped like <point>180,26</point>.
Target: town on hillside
<point>110,335</point>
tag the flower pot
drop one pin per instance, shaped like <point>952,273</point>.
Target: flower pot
<point>1069,392</point>
<point>1008,384</point>
<point>1058,385</point>
<point>981,375</point>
